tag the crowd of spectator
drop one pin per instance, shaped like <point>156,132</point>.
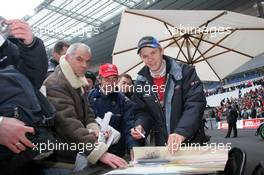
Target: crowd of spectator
<point>249,106</point>
<point>221,89</point>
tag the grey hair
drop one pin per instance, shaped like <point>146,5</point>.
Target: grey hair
<point>73,47</point>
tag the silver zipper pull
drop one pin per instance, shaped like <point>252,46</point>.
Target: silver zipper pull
<point>16,114</point>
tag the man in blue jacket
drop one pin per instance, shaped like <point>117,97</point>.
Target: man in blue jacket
<point>105,98</point>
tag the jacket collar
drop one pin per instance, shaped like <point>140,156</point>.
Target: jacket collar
<point>52,60</point>
<point>75,81</point>
<point>173,68</point>
<point>97,92</point>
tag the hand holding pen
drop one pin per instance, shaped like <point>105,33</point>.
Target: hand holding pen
<point>138,132</point>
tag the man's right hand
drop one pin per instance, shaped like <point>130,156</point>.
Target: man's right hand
<point>12,135</point>
<point>135,134</point>
<point>113,160</point>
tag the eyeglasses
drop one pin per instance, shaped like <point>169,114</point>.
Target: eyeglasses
<point>110,79</point>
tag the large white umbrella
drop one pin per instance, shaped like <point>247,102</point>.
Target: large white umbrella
<point>215,42</point>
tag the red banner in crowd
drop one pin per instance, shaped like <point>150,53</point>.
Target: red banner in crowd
<point>243,124</point>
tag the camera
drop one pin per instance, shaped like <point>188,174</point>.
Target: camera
<point>4,30</point>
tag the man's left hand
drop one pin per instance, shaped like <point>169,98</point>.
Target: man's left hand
<point>174,142</point>
<point>20,29</point>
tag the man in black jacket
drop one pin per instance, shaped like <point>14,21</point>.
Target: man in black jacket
<point>27,53</point>
<point>232,116</point>
<point>58,50</point>
<point>172,102</point>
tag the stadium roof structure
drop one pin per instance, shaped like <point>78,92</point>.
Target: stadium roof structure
<point>55,20</point>
<point>57,15</point>
<point>257,62</point>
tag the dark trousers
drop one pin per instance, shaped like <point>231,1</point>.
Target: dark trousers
<point>230,127</point>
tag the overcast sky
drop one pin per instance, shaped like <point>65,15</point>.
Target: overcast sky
<point>17,9</point>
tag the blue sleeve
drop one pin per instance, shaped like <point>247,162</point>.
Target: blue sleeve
<point>128,122</point>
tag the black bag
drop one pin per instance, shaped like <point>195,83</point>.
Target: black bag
<point>21,100</point>
<point>236,162</point>
<point>259,169</point>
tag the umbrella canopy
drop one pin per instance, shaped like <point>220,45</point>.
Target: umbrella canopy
<point>215,42</point>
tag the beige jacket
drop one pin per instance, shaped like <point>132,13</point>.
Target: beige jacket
<point>65,92</point>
